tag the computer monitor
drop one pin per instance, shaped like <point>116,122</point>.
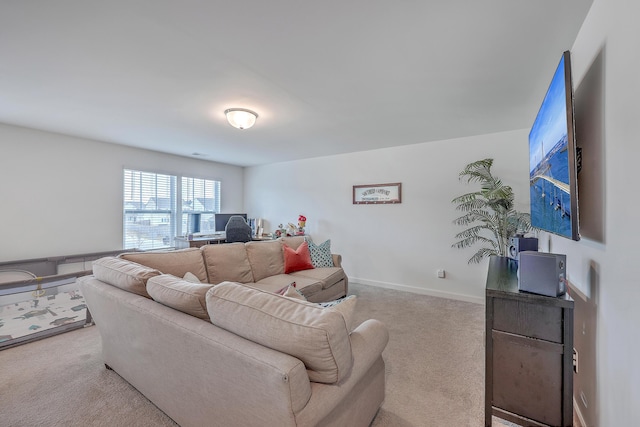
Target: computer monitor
<point>221,219</point>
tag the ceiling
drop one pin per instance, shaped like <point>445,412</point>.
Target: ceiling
<point>325,77</point>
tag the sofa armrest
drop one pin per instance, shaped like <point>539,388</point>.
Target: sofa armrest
<point>368,341</point>
<point>337,260</point>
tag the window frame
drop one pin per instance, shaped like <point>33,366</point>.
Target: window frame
<point>171,203</point>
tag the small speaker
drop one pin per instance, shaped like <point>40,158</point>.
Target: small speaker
<point>542,273</point>
<point>518,244</point>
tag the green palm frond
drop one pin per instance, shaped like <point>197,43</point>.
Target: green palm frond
<point>479,171</point>
<point>481,254</point>
<point>488,213</point>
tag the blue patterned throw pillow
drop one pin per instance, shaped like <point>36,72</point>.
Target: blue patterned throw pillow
<point>320,254</point>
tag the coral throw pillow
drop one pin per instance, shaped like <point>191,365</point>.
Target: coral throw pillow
<point>296,260</point>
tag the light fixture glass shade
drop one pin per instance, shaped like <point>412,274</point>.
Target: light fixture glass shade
<point>241,118</point>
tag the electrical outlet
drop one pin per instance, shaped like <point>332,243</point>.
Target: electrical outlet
<point>441,274</point>
<point>575,360</point>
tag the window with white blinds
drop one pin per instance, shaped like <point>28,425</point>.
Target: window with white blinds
<point>152,216</point>
<point>149,210</point>
<point>200,202</point>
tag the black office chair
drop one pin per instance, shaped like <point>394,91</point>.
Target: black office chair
<point>237,230</point>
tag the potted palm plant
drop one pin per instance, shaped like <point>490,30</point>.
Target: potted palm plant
<point>488,213</point>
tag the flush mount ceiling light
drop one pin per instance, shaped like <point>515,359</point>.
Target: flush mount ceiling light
<point>241,118</point>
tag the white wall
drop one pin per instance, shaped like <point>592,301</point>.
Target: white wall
<point>401,245</point>
<point>609,271</point>
<point>62,195</point>
<point>406,255</point>
<point>54,188</point>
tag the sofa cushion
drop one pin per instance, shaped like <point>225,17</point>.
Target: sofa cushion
<point>328,276</point>
<point>316,336</point>
<point>298,259</point>
<point>227,262</point>
<point>266,259</point>
<point>346,306</point>
<point>176,262</point>
<point>320,254</point>
<point>124,274</point>
<point>179,294</point>
<point>307,286</point>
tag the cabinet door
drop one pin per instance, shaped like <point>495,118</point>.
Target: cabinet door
<point>527,377</point>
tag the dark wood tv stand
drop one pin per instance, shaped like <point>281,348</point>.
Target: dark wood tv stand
<point>529,352</point>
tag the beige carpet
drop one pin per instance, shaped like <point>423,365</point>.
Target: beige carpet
<point>435,371</point>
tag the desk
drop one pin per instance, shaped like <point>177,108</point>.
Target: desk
<point>182,242</point>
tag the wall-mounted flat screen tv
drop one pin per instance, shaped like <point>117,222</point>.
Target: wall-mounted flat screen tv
<point>553,169</point>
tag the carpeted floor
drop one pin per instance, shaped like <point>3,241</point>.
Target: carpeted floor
<point>434,359</point>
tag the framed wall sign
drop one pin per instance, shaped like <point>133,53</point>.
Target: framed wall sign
<point>377,193</point>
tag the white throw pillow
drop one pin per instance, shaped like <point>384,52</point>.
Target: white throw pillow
<point>290,291</point>
<point>190,277</point>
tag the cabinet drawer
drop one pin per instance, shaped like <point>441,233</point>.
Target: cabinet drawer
<point>531,320</point>
<point>527,377</point>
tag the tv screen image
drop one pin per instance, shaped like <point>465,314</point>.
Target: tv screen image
<point>552,158</point>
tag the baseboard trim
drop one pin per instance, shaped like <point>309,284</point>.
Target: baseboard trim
<point>416,290</point>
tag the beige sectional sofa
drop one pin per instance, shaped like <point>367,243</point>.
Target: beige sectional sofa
<point>229,351</point>
<point>257,263</point>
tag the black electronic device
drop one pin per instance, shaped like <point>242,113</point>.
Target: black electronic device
<point>542,273</point>
<point>518,244</point>
<point>221,219</point>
